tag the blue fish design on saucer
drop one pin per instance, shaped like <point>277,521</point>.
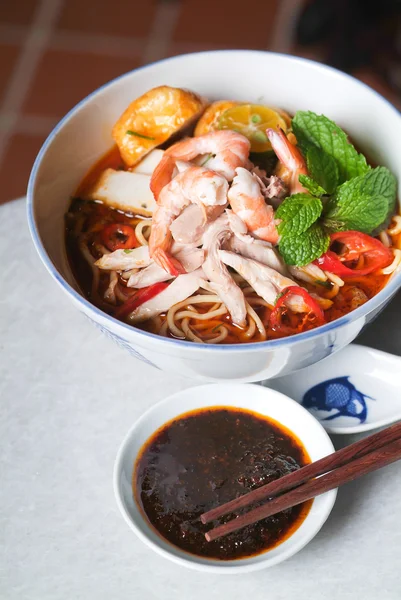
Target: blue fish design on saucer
<point>340,394</point>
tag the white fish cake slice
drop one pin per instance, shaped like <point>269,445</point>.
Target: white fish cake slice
<point>149,163</point>
<point>129,192</point>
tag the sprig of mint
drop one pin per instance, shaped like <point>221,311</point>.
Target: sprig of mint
<point>302,249</point>
<point>312,186</point>
<point>317,131</point>
<point>298,213</point>
<point>323,169</point>
<point>344,192</point>
<point>363,203</point>
<point>302,238</point>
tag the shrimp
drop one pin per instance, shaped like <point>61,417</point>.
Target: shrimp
<point>229,149</point>
<point>195,185</point>
<point>248,203</point>
<point>292,162</point>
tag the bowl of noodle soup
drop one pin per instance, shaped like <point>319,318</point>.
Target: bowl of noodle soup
<point>194,337</point>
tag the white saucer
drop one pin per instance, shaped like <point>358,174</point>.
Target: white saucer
<point>355,390</point>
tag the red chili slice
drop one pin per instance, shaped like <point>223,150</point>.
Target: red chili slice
<point>118,236</point>
<point>294,290</point>
<point>376,255</point>
<point>140,297</point>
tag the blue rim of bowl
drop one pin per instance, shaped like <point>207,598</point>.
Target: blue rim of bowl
<point>391,287</point>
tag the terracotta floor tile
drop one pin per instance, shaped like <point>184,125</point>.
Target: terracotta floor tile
<point>8,58</point>
<point>226,22</point>
<point>17,12</point>
<point>117,17</point>
<point>64,78</point>
<point>17,165</point>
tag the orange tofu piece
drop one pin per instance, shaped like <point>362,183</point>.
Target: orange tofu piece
<point>154,117</point>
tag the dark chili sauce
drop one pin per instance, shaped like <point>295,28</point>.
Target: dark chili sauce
<point>206,457</point>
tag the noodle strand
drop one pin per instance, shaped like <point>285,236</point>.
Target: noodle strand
<point>139,232</point>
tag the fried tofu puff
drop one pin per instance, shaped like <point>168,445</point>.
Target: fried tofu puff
<point>152,119</point>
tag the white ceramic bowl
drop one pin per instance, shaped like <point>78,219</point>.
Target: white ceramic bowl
<point>252,397</point>
<point>84,135</point>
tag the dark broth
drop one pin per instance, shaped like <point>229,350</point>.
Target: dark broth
<point>205,458</point>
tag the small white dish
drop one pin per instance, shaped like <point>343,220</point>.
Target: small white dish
<point>355,390</point>
<point>252,397</point>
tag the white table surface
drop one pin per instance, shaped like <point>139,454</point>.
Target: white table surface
<point>68,395</point>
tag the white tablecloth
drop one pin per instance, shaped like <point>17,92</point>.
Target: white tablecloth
<point>68,395</point>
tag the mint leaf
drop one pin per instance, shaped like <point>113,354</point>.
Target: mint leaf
<point>297,213</point>
<point>312,130</point>
<point>311,185</point>
<point>302,249</point>
<point>363,203</point>
<point>322,168</point>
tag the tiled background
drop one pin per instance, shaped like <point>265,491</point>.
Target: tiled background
<point>54,52</point>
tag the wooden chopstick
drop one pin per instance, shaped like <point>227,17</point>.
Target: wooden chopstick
<point>278,486</point>
<point>358,459</point>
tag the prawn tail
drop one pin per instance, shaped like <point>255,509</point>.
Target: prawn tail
<point>162,175</point>
<point>281,146</point>
<point>287,152</point>
<point>167,262</point>
<point>291,159</point>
